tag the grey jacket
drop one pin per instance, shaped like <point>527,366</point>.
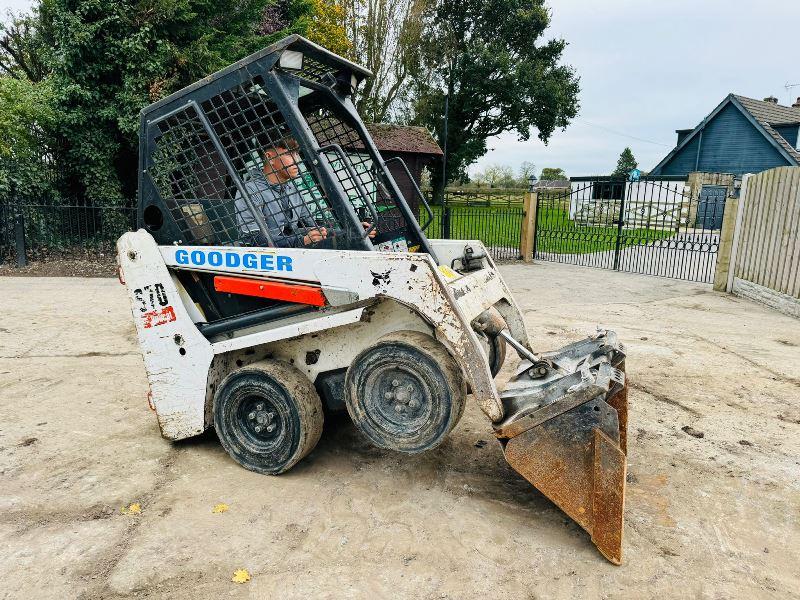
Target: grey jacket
<point>287,216</point>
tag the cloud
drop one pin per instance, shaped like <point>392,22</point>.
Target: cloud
<point>649,68</point>
<point>17,6</point>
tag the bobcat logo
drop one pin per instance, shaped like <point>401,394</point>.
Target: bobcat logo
<point>378,278</point>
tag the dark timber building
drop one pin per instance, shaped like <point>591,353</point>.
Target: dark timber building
<point>741,135</point>
<point>415,145</point>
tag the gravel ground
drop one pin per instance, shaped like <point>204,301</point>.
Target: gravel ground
<point>713,500</point>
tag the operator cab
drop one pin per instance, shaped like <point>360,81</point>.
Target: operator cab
<point>203,148</point>
<point>205,168</point>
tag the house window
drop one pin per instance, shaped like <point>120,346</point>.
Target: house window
<point>608,190</point>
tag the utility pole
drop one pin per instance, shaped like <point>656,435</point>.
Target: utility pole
<point>444,150</point>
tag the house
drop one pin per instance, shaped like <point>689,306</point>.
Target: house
<point>551,184</point>
<point>417,148</point>
<point>741,135</point>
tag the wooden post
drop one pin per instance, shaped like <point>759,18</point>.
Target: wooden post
<point>737,231</point>
<point>725,248</point>
<point>528,231</point>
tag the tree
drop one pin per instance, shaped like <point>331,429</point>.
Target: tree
<point>526,169</point>
<point>26,117</point>
<point>327,26</point>
<point>552,174</point>
<point>21,48</point>
<point>105,61</point>
<point>484,55</point>
<point>495,176</point>
<point>625,164</point>
<point>385,35</point>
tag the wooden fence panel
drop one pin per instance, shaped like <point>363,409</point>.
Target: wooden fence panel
<point>769,239</point>
<point>790,279</point>
<point>790,224</point>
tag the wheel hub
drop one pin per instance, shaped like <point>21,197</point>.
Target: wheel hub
<point>261,419</point>
<point>403,395</point>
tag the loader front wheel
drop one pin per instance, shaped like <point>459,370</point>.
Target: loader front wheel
<point>495,348</point>
<point>267,416</point>
<point>405,392</point>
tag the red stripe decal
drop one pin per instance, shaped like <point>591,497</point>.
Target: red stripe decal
<point>274,290</point>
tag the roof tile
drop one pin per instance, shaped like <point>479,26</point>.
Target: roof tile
<point>767,114</point>
<point>403,138</point>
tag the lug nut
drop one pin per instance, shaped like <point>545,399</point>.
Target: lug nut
<point>258,428</point>
<point>395,383</point>
<point>388,395</point>
<point>270,416</point>
<point>398,408</point>
<point>260,407</point>
<point>271,427</point>
<point>251,416</point>
<point>413,403</point>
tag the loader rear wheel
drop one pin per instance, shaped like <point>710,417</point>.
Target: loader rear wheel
<point>405,392</point>
<point>268,416</point>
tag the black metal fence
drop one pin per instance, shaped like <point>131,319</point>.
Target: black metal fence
<point>34,228</point>
<point>498,227</point>
<point>650,226</point>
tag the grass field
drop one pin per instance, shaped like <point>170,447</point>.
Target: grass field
<point>560,235</point>
<point>494,226</point>
<point>500,227</point>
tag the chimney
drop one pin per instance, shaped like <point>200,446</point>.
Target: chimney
<point>771,99</point>
<point>797,103</point>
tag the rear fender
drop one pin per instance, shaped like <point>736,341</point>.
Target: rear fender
<point>176,355</point>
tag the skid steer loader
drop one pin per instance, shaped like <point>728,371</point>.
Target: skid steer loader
<point>279,272</point>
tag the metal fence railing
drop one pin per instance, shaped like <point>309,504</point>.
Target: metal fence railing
<point>39,228</point>
<point>498,227</point>
<point>651,226</point>
<point>34,228</point>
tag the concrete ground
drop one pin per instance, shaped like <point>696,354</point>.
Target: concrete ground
<point>716,516</point>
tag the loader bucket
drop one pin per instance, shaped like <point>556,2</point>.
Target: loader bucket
<point>566,434</point>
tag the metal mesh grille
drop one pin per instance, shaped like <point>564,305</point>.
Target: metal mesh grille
<point>226,168</point>
<point>190,177</point>
<point>314,70</point>
<point>277,192</point>
<point>329,129</point>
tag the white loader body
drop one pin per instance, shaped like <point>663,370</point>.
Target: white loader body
<point>369,294</point>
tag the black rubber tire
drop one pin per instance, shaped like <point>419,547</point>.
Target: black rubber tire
<point>495,348</point>
<point>405,392</point>
<point>278,399</point>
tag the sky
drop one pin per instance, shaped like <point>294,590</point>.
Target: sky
<point>649,68</point>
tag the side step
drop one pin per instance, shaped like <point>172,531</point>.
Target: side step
<point>566,433</point>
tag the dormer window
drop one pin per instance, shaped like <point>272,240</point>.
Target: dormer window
<point>790,132</point>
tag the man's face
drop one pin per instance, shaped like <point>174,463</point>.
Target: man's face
<point>283,162</point>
